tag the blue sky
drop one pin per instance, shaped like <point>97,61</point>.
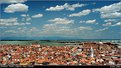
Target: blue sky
<point>63,19</point>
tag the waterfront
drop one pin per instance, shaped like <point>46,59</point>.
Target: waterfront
<point>58,42</point>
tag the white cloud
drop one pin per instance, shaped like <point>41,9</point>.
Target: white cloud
<point>28,19</point>
<point>110,11</point>
<point>12,1</point>
<point>37,16</point>
<point>66,31</point>
<point>102,29</point>
<point>52,28</point>
<point>85,28</point>
<point>117,24</point>
<point>61,21</point>
<point>73,6</point>
<point>110,8</point>
<point>22,30</point>
<point>107,24</point>
<point>10,31</point>
<point>111,15</point>
<point>58,29</point>
<point>18,30</point>
<point>16,8</point>
<point>82,21</point>
<point>89,21</point>
<point>8,22</point>
<point>82,13</point>
<point>11,22</point>
<point>110,20</point>
<point>56,8</point>
<point>24,15</point>
<point>65,6</point>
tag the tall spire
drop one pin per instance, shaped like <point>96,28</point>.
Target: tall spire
<point>92,52</point>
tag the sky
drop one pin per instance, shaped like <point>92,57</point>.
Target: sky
<point>38,19</point>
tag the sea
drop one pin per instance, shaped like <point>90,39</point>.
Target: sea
<point>57,42</point>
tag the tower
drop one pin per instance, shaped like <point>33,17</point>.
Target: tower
<point>92,52</point>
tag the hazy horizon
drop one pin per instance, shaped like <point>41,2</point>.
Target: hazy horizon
<point>50,38</point>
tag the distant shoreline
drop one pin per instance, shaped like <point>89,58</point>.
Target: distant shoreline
<point>57,42</point>
<point>62,40</point>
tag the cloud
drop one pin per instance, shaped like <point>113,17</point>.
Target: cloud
<point>28,19</point>
<point>61,21</point>
<point>73,6</point>
<point>111,15</point>
<point>102,29</point>
<point>16,8</point>
<point>117,24</point>
<point>110,20</point>
<point>8,22</point>
<point>11,22</point>
<point>52,28</point>
<point>85,28</point>
<point>37,16</point>
<point>107,24</point>
<point>33,29</point>
<point>110,8</point>
<point>65,6</point>
<point>22,30</point>
<point>17,31</point>
<point>58,30</point>
<point>82,21</point>
<point>82,13</point>
<point>12,1</point>
<point>10,31</point>
<point>110,11</point>
<point>24,15</point>
<point>56,8</point>
<point>89,21</point>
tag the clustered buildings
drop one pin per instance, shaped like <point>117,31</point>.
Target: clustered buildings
<point>89,53</point>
